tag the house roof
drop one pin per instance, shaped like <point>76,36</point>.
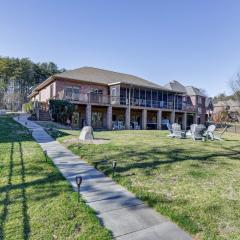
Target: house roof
<point>106,77</point>
<point>192,91</point>
<point>100,76</point>
<point>189,90</point>
<point>175,86</point>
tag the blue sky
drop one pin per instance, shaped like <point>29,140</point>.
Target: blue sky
<point>194,42</point>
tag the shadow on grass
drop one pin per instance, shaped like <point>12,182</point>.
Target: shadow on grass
<point>154,157</point>
<point>54,133</point>
<point>169,157</point>
<point>15,132</point>
<point>26,224</point>
<point>6,200</point>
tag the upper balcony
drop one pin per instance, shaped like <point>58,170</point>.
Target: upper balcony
<point>100,99</point>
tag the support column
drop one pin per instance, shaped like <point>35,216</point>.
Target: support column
<point>172,117</point>
<point>195,119</point>
<point>159,120</point>
<point>184,123</point>
<point>109,118</point>
<point>89,115</point>
<point>127,118</point>
<point>144,119</point>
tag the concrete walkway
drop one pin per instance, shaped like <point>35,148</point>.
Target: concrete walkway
<point>118,209</point>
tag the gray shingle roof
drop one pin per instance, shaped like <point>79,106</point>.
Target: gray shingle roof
<point>175,86</point>
<point>189,90</point>
<point>194,91</point>
<point>96,75</point>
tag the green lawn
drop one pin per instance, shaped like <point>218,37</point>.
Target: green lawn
<point>36,202</point>
<point>195,184</point>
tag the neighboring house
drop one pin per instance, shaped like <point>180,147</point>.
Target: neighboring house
<point>230,106</point>
<point>193,99</point>
<point>107,99</point>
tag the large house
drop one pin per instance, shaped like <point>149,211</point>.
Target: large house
<point>107,99</point>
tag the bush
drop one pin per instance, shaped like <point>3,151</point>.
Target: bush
<point>61,110</point>
<point>28,107</point>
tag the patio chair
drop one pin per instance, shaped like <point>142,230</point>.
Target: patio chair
<point>218,136</point>
<point>121,125</point>
<point>169,127</point>
<point>210,132</point>
<point>191,130</point>
<point>177,132</point>
<point>198,133</point>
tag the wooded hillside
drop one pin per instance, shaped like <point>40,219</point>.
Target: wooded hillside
<point>18,76</point>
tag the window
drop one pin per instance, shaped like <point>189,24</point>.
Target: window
<point>68,92</point>
<point>51,90</point>
<point>199,100</point>
<point>142,97</point>
<point>123,96</point>
<point>76,90</point>
<point>97,91</point>
<point>148,98</point>
<point>199,110</point>
<point>76,93</point>
<point>170,101</point>
<point>114,92</point>
<point>165,99</point>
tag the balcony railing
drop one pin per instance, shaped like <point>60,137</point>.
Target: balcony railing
<point>152,103</point>
<point>106,99</point>
<point>87,98</point>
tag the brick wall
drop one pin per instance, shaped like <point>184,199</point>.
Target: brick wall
<point>84,87</point>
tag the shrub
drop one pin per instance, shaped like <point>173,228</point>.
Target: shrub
<point>28,107</point>
<point>61,110</point>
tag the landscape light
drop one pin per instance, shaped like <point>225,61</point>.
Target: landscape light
<point>78,182</point>
<point>45,153</point>
<point>114,165</point>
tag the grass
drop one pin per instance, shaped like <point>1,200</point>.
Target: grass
<point>195,184</point>
<point>36,202</point>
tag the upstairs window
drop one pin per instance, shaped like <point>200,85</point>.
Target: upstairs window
<point>199,100</point>
<point>199,110</point>
<point>76,90</point>
<point>97,91</point>
<point>114,92</point>
<point>51,90</point>
<point>76,93</point>
<point>68,92</point>
<point>72,92</point>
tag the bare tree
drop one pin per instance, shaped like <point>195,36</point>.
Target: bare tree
<point>235,85</point>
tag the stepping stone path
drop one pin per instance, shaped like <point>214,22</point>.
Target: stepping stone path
<point>118,209</point>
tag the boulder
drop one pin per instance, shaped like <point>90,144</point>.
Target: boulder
<point>86,134</point>
<point>2,111</point>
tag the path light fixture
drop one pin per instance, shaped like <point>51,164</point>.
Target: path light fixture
<point>45,154</point>
<point>26,123</point>
<point>114,165</point>
<point>96,164</point>
<point>78,182</point>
